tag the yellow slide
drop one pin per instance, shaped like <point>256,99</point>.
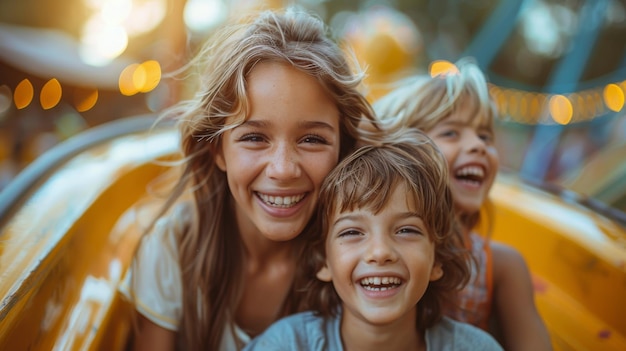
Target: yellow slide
<point>69,224</point>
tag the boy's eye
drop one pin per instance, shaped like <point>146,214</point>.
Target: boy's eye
<point>410,230</point>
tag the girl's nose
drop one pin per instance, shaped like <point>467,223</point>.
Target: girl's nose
<point>380,250</point>
<point>283,164</point>
<point>474,143</point>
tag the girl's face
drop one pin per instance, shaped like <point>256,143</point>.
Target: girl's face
<point>471,155</point>
<point>380,263</point>
<point>277,159</point>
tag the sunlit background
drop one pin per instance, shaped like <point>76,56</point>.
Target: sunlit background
<point>557,69</point>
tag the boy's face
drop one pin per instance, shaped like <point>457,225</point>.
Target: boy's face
<point>380,264</point>
<point>472,157</point>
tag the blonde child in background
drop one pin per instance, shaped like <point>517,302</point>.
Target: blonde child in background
<point>277,107</point>
<point>388,260</point>
<point>456,111</point>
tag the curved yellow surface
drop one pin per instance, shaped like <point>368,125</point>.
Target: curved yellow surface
<point>578,262</point>
<point>62,255</point>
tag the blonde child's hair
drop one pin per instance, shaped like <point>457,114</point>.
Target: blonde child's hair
<point>422,102</point>
<point>210,249</point>
<point>366,180</point>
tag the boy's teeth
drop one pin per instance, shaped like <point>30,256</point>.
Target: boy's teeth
<point>380,283</point>
<point>281,201</point>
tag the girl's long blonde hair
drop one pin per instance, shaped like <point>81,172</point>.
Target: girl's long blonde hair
<point>209,244</point>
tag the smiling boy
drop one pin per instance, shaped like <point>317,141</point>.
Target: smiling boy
<point>388,261</point>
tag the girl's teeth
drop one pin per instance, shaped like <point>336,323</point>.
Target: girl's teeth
<point>281,201</point>
<point>472,170</point>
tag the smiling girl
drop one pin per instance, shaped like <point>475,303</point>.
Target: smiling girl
<point>456,111</point>
<point>277,107</point>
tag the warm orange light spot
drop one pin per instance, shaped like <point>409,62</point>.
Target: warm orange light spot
<point>590,108</point>
<point>385,55</point>
<point>535,107</point>
<point>577,102</point>
<point>524,102</point>
<point>85,99</point>
<point>50,94</point>
<point>561,109</point>
<point>23,94</point>
<point>501,102</point>
<point>442,67</point>
<point>597,100</point>
<point>139,77</point>
<point>147,76</point>
<point>614,97</point>
<point>126,81</point>
<point>513,102</point>
<point>578,106</point>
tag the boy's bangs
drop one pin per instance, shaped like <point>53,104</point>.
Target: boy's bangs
<point>367,193</point>
<point>370,184</point>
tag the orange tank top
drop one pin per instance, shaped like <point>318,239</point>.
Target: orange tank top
<point>476,298</point>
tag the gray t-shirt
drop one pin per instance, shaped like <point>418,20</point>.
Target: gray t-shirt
<point>306,331</point>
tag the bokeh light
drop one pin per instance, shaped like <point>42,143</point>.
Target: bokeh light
<point>105,34</point>
<point>50,94</point>
<point>101,42</point>
<point>126,83</point>
<point>85,99</point>
<point>136,78</point>
<point>23,94</point>
<point>385,41</point>
<point>147,76</point>
<point>561,109</point>
<point>202,15</point>
<point>614,97</point>
<point>537,102</point>
<point>144,16</point>
<point>442,67</point>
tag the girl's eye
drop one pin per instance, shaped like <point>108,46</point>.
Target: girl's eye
<point>314,139</point>
<point>349,232</point>
<point>252,137</point>
<point>448,133</point>
<point>486,137</point>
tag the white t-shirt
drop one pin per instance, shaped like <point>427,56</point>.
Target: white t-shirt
<point>156,289</point>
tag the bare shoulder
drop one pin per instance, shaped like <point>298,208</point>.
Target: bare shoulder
<point>511,276</point>
<point>517,317</point>
<point>507,260</point>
